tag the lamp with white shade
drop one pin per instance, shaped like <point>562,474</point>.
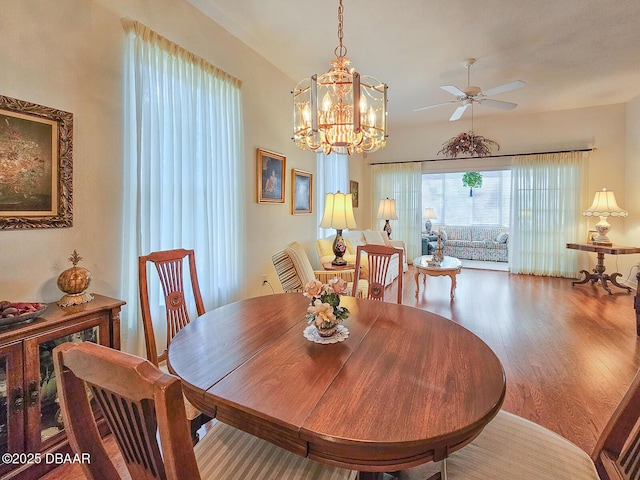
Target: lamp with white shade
<point>429,214</point>
<point>604,205</point>
<point>338,214</point>
<point>387,211</point>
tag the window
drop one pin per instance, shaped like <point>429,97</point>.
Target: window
<point>456,204</point>
<point>183,172</point>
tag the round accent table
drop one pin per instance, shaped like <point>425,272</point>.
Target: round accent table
<point>450,267</point>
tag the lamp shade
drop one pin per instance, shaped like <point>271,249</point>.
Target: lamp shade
<point>429,213</point>
<point>338,211</point>
<point>387,209</point>
<point>605,205</point>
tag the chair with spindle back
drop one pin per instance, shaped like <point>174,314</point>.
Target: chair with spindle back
<point>170,267</point>
<point>378,259</point>
<point>144,409</point>
<point>511,447</point>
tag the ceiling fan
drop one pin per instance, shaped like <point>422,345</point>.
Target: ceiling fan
<point>473,94</point>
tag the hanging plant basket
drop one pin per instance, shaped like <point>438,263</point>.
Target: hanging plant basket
<point>472,180</point>
<point>467,143</point>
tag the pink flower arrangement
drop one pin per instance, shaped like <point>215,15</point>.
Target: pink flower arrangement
<point>324,310</point>
<point>467,143</point>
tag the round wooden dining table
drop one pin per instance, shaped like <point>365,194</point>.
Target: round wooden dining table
<point>404,388</point>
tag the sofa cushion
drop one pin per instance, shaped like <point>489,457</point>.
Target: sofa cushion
<point>459,232</point>
<point>502,238</point>
<point>444,236</point>
<point>374,237</point>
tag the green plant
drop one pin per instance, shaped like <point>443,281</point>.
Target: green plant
<point>472,180</point>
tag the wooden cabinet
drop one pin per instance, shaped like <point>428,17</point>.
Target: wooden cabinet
<point>30,421</point>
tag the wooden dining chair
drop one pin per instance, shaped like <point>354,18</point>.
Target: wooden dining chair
<point>169,265</point>
<point>143,407</point>
<point>511,447</point>
<point>378,260</point>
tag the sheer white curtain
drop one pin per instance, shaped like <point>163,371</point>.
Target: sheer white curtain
<point>402,182</point>
<point>183,173</point>
<point>547,196</point>
<point>332,174</point>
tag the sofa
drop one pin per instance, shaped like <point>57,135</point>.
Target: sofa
<point>475,242</point>
<point>353,238</point>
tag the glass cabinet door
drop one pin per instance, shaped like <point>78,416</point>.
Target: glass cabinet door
<point>46,427</point>
<point>12,407</point>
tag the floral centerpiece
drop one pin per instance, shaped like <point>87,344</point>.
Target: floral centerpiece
<point>468,143</point>
<point>324,310</point>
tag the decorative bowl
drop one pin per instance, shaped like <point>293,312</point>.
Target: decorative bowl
<point>24,312</point>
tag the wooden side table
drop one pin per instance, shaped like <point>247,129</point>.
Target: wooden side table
<point>598,271</point>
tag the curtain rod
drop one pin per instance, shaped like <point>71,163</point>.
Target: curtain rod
<point>488,156</point>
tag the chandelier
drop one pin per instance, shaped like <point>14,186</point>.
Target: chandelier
<point>351,115</point>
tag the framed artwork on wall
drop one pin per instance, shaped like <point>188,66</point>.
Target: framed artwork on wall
<point>270,176</point>
<point>353,190</point>
<point>36,166</point>
<point>301,192</point>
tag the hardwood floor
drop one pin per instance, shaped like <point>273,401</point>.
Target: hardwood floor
<point>569,353</point>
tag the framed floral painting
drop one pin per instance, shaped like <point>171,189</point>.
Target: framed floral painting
<point>301,192</point>
<point>36,166</point>
<point>270,176</point>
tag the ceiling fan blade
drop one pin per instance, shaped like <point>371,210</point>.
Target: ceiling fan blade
<point>435,105</point>
<point>458,113</point>
<point>498,104</point>
<point>453,90</point>
<point>504,88</point>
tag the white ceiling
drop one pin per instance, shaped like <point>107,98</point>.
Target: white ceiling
<point>571,53</point>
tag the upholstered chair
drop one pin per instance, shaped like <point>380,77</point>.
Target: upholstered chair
<point>295,270</point>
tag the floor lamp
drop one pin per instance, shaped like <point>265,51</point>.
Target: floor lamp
<point>387,211</point>
<point>338,214</point>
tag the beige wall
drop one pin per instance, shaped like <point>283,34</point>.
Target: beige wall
<point>67,54</point>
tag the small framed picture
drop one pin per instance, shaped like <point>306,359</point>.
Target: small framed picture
<point>301,192</point>
<point>270,176</point>
<point>353,190</point>
<point>591,235</point>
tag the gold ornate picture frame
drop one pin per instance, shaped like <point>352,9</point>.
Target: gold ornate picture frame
<point>301,192</point>
<point>36,166</point>
<point>270,173</point>
<point>354,190</point>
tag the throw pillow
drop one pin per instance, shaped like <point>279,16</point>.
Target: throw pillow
<point>443,235</point>
<point>502,238</point>
<point>374,237</point>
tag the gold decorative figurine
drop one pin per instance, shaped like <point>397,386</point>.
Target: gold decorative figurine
<point>74,282</point>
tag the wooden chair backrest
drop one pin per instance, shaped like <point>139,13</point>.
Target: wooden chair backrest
<point>617,453</point>
<point>137,401</point>
<point>379,258</point>
<point>169,265</point>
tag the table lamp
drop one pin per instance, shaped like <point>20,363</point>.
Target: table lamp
<point>387,211</point>
<point>604,205</point>
<point>429,214</point>
<point>338,214</point>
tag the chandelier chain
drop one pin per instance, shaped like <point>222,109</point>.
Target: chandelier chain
<point>340,50</point>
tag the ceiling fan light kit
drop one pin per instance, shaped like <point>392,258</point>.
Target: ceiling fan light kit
<point>340,111</point>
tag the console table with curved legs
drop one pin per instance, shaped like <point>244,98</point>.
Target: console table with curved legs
<point>598,271</point>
